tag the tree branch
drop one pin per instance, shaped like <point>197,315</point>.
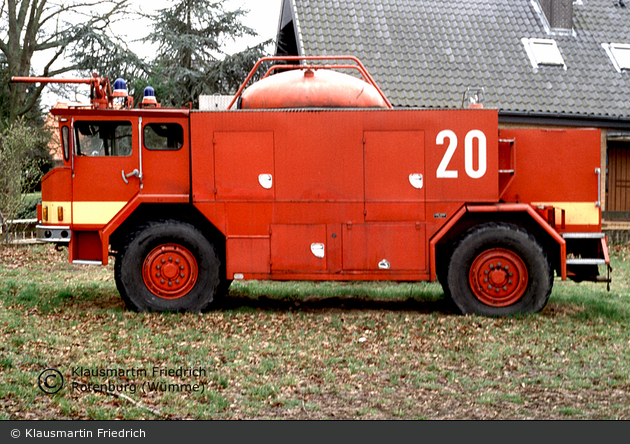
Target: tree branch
<point>22,14</point>
<point>4,2</point>
<point>64,70</point>
<point>4,48</point>
<point>52,60</point>
<point>31,101</point>
<point>30,37</point>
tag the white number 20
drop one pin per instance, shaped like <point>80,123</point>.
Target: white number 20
<point>444,172</point>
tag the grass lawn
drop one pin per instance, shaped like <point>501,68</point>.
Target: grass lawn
<point>306,351</point>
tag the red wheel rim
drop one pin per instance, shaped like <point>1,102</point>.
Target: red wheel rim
<point>498,277</point>
<point>170,271</point>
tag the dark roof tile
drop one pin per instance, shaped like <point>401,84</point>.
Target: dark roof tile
<point>425,53</point>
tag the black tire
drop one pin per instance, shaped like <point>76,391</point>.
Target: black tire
<point>219,296</point>
<point>138,267</point>
<point>442,277</point>
<point>497,270</point>
<point>224,287</point>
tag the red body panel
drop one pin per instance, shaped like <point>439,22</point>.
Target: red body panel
<point>553,165</point>
<point>58,185</point>
<point>353,182</point>
<point>556,166</point>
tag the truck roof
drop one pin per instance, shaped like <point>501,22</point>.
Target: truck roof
<point>155,112</point>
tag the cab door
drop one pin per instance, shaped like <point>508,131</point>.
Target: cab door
<point>105,167</point>
<point>105,176</point>
<point>165,157</point>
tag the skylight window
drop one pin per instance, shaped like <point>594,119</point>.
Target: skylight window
<point>619,54</point>
<point>543,52</point>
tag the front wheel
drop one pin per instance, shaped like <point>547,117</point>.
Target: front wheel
<point>168,266</point>
<point>498,270</point>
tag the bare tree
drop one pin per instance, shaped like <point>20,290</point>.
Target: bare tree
<point>67,34</point>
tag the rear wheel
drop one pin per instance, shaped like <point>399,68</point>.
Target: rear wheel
<point>497,270</point>
<point>168,266</point>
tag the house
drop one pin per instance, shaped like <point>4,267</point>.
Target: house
<point>543,63</point>
<point>54,144</point>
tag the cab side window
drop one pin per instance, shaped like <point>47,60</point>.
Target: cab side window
<point>65,142</point>
<point>105,138</point>
<point>163,136</point>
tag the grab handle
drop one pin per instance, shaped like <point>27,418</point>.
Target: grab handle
<point>598,171</point>
<point>133,173</point>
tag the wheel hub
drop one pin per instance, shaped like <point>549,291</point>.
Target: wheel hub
<point>170,271</point>
<point>498,277</point>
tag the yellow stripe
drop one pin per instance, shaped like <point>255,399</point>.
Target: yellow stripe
<point>95,213</point>
<point>575,213</point>
<point>53,212</point>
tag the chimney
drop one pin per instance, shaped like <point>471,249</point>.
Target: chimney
<point>559,13</point>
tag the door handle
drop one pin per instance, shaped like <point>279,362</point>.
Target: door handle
<point>416,181</point>
<point>133,173</point>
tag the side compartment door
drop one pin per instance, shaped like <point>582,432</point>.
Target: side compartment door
<point>298,248</point>
<point>244,180</point>
<point>244,166</point>
<point>392,238</point>
<point>394,175</point>
<point>385,247</point>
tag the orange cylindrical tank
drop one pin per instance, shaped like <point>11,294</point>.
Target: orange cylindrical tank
<point>309,88</point>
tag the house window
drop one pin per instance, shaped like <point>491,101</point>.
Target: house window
<point>543,52</point>
<point>619,54</point>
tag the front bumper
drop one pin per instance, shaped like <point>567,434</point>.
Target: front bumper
<point>57,234</point>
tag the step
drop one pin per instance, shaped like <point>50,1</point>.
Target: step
<point>583,235</point>
<point>584,261</point>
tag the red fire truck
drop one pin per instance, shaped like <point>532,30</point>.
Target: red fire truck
<point>311,174</point>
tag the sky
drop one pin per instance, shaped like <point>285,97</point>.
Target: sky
<point>262,17</point>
